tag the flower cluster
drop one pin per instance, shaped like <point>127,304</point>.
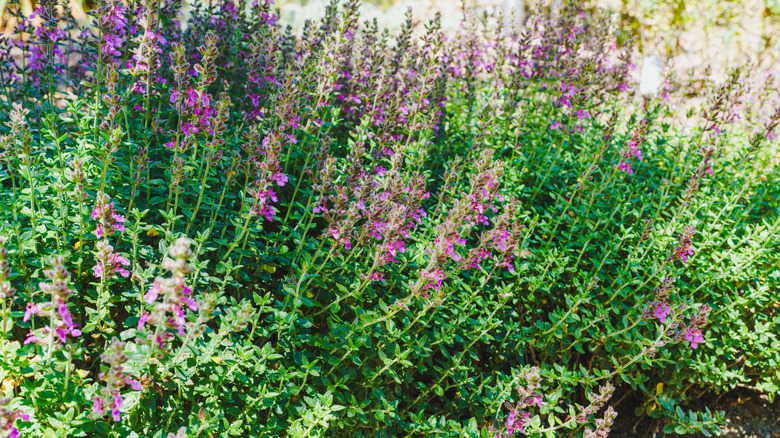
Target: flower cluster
<point>109,221</point>
<point>109,397</point>
<point>597,401</point>
<point>659,308</point>
<point>109,262</point>
<point>603,425</point>
<point>503,238</point>
<point>632,150</point>
<point>145,58</point>
<point>169,298</point>
<point>47,56</point>
<point>684,245</point>
<point>61,323</point>
<point>692,332</point>
<point>77,176</point>
<point>467,213</point>
<point>192,102</point>
<point>266,173</point>
<point>112,25</point>
<point>518,415</point>
<point>704,168</point>
<point>8,419</point>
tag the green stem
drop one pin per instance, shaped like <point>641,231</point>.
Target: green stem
<point>200,195</point>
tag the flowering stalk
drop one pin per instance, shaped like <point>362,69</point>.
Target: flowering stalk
<point>20,130</point>
<point>61,324</point>
<point>109,397</point>
<point>108,262</point>
<point>221,118</point>
<point>168,299</point>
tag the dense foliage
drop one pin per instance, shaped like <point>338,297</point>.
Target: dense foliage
<point>215,228</point>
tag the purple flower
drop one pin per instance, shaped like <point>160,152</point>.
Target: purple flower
<point>695,337</point>
<point>65,314</point>
<point>190,302</point>
<point>145,317</point>
<point>625,167</point>
<point>683,249</point>
<point>112,262</point>
<point>152,294</point>
<point>662,310</point>
<point>98,269</point>
<point>32,309</point>
<point>97,407</point>
<point>135,384</point>
<point>109,221</point>
<point>556,125</point>
<point>436,275</point>
<point>116,405</point>
<point>376,276</point>
<point>280,178</point>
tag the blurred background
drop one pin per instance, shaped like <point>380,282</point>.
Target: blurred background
<point>691,34</point>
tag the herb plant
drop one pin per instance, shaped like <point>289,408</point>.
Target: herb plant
<point>214,226</point>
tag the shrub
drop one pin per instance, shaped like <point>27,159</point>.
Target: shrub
<point>214,228</point>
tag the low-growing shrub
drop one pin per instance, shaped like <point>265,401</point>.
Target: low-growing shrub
<point>214,227</point>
